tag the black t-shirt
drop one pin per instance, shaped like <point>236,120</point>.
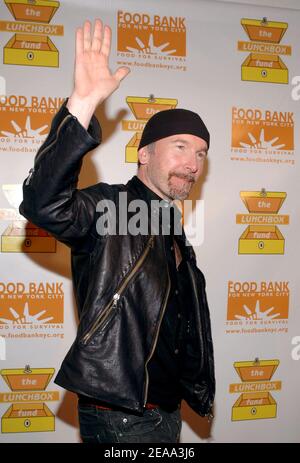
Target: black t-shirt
<point>164,368</point>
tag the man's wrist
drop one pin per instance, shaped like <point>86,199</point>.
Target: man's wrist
<point>82,108</point>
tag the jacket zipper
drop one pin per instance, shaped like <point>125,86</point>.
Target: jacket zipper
<point>31,171</point>
<point>156,337</point>
<point>114,301</point>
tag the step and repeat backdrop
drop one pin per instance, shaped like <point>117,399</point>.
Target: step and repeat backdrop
<point>237,66</point>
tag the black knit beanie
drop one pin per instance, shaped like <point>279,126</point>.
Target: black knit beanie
<point>171,122</point>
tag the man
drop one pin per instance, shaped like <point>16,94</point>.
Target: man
<point>144,339</point>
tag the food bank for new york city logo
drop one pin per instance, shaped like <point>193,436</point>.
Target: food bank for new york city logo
<point>31,44</point>
<point>264,64</point>
<point>255,401</point>
<point>34,304</point>
<point>262,235</point>
<point>263,132</point>
<point>25,121</point>
<point>157,37</point>
<point>258,303</point>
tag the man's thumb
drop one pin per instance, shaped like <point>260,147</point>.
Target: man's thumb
<point>121,73</point>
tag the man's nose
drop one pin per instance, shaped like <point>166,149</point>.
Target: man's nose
<point>192,163</point>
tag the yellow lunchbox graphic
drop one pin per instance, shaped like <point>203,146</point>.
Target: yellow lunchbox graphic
<point>262,236</point>
<point>268,67</point>
<point>261,239</point>
<point>26,237</point>
<point>28,413</point>
<point>27,418</point>
<point>20,235</point>
<point>255,405</point>
<point>32,48</point>
<point>265,68</point>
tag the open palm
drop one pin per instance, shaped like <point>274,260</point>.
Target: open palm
<point>93,80</point>
<point>92,74</point>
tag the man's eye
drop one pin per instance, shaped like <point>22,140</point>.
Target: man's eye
<point>180,146</point>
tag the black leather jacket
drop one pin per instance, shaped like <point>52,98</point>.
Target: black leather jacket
<point>121,282</point>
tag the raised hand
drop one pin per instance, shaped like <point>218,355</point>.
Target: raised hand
<point>93,80</point>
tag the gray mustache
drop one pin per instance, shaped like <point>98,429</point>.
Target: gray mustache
<point>188,177</point>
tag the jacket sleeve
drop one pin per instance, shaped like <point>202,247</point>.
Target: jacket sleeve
<point>51,199</point>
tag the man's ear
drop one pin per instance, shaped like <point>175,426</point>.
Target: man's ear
<point>143,155</point>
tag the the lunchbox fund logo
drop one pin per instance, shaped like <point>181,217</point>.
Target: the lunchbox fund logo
<point>27,410</point>
<point>264,64</point>
<point>262,235</point>
<point>31,44</point>
<point>255,401</point>
<point>158,39</point>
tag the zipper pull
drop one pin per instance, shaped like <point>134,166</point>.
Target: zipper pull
<point>29,176</point>
<point>116,297</point>
<point>151,242</point>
